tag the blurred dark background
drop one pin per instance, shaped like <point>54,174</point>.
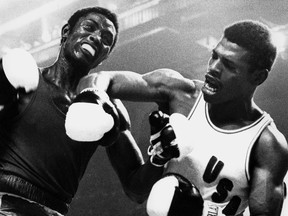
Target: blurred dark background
<point>175,34</point>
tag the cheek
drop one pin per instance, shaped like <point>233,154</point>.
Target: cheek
<point>68,48</point>
<point>68,44</point>
<point>227,77</point>
<point>73,38</point>
<point>73,42</point>
<point>231,82</point>
<point>237,86</point>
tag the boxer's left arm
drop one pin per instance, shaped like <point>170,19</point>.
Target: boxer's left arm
<point>268,166</point>
<point>136,177</point>
<point>160,86</point>
<point>18,71</point>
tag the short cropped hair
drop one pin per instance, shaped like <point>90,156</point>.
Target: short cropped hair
<point>105,12</point>
<point>256,38</point>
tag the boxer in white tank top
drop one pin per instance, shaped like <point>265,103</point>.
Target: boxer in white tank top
<point>223,185</point>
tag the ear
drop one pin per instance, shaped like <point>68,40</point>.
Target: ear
<point>64,32</point>
<point>259,76</point>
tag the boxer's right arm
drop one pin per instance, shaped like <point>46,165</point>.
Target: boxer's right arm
<point>136,177</point>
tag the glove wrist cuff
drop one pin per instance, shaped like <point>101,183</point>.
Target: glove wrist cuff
<point>157,161</point>
<point>97,91</point>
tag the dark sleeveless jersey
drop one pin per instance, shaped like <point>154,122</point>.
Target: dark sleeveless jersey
<point>34,146</point>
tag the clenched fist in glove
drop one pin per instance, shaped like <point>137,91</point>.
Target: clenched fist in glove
<point>163,140</point>
<point>174,195</point>
<point>91,117</point>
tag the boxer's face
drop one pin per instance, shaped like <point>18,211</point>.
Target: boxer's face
<point>90,41</point>
<point>227,78</point>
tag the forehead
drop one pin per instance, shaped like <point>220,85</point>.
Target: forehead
<point>99,19</point>
<point>231,51</point>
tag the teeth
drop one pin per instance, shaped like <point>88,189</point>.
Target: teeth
<point>89,49</point>
<point>210,88</point>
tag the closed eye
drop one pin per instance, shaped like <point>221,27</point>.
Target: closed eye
<point>88,26</point>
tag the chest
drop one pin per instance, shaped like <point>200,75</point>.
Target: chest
<point>59,97</point>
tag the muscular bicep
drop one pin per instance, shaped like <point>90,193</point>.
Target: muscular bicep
<point>168,78</point>
<point>267,173</point>
<point>157,86</point>
<point>134,87</point>
<point>266,196</point>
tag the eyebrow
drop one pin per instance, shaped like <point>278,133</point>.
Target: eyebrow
<point>90,20</point>
<point>97,24</point>
<point>224,59</point>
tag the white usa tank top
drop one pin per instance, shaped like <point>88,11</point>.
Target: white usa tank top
<point>218,164</point>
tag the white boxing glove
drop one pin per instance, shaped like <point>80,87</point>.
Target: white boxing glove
<point>21,69</point>
<point>91,117</point>
<point>174,195</point>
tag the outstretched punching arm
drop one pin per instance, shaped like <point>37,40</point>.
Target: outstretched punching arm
<point>161,86</point>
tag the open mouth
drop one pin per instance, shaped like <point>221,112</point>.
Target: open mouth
<point>89,49</point>
<point>211,85</point>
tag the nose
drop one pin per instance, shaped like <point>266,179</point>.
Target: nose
<point>95,37</point>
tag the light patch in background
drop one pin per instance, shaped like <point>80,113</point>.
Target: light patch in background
<point>280,40</point>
